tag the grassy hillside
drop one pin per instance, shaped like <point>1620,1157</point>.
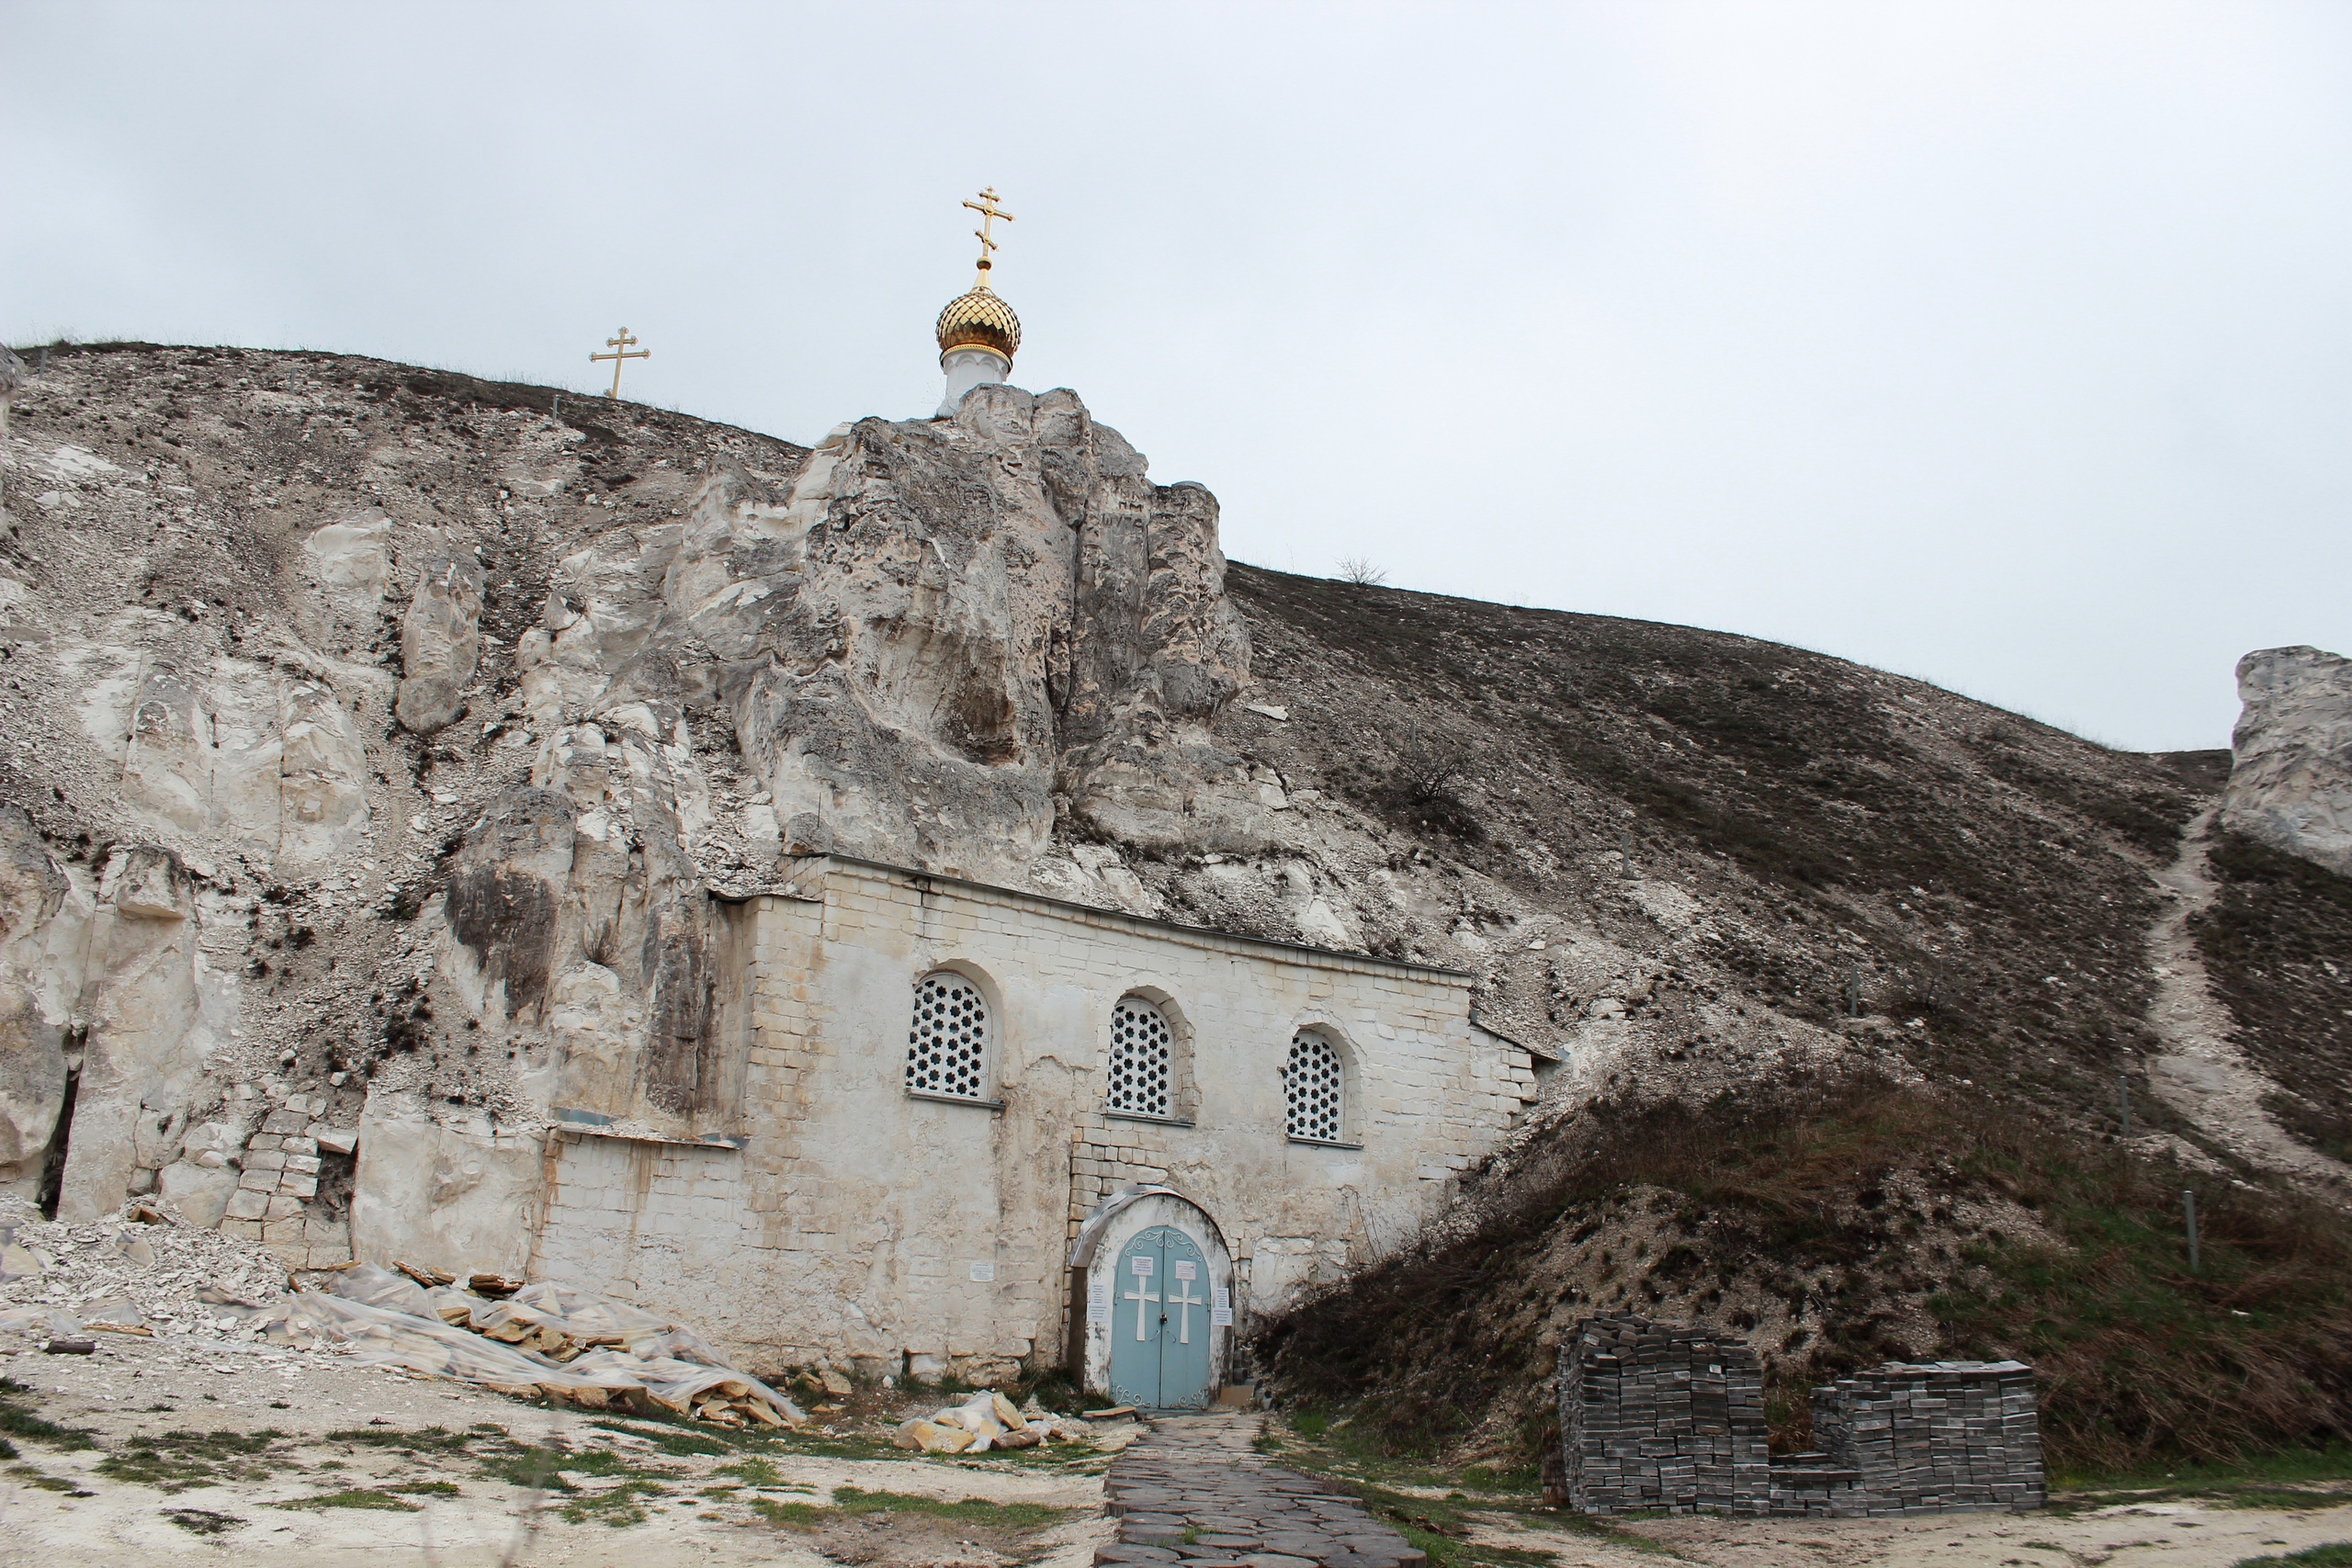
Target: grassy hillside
<point>1976,885</point>
<point>1920,1221</point>
<point>2277,943</point>
<point>1865,842</point>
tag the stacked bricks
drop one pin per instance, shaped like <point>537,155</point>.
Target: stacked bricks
<point>1815,1484</point>
<point>1664,1416</point>
<point>1936,1437</point>
<point>1661,1416</point>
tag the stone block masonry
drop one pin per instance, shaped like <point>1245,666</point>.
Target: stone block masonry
<point>1667,1416</point>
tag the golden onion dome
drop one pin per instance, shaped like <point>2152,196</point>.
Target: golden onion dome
<point>979,319</point>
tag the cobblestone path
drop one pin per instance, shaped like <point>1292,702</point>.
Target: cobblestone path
<point>1197,1477</point>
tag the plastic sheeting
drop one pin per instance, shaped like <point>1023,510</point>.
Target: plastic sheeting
<point>606,1353</point>
<point>548,1338</point>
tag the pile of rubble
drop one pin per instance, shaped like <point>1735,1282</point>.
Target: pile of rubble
<point>148,1272</point>
<point>987,1420</point>
<point>140,1272</point>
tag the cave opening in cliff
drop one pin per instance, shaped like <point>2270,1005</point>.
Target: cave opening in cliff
<point>52,1162</point>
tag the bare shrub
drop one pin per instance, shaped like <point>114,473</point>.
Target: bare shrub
<point>1360,570</point>
<point>1424,787</point>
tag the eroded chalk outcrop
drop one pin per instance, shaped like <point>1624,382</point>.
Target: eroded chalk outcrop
<point>2290,774</point>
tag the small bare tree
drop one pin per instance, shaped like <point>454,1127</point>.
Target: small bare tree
<point>1357,570</point>
<point>1429,768</point>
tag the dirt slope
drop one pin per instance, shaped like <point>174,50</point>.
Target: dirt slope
<point>1983,889</point>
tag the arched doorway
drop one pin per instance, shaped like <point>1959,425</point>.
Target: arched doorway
<point>1160,1322</point>
<point>1152,1301</point>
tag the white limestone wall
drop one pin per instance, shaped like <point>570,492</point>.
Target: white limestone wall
<point>859,1225</point>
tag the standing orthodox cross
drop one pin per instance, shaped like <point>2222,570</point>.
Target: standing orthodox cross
<point>1184,1304</point>
<point>1137,1294</point>
<point>621,350</point>
<point>989,212</point>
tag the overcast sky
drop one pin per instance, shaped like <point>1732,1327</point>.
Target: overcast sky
<point>2008,347</point>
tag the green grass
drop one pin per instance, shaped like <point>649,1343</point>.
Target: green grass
<point>2288,1479</point>
<point>851,1502</point>
<point>794,1515</point>
<point>616,1507</point>
<point>669,1439</point>
<point>1333,1444</point>
<point>179,1461</point>
<point>423,1440</point>
<point>2334,1554</point>
<point>971,1510</point>
<point>20,1423</point>
<point>352,1497</point>
<point>203,1521</point>
<point>29,1476</point>
<point>758,1473</point>
<point>2288,1467</point>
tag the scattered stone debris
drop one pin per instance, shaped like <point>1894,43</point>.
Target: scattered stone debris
<point>987,1420</point>
<point>125,1275</point>
<point>161,1276</point>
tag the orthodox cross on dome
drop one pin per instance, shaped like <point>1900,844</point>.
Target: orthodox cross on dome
<point>989,212</point>
<point>621,350</point>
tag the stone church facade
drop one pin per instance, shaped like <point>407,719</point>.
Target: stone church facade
<point>953,1127</point>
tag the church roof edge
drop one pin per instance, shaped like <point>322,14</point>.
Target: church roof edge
<point>1150,922</point>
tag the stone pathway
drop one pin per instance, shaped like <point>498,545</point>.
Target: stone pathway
<point>1198,1476</point>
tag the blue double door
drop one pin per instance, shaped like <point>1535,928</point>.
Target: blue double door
<point>1160,1322</point>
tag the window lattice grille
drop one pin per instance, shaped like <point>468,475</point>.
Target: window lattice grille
<point>947,1046</point>
<point>1142,1060</point>
<point>1311,1089</point>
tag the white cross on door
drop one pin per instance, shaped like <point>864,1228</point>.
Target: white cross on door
<point>1138,1294</point>
<point>1185,1304</point>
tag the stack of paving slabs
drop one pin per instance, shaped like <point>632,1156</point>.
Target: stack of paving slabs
<point>1661,1416</point>
<point>1935,1437</point>
<point>1815,1484</point>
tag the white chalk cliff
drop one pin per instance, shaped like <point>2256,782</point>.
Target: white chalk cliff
<point>2291,772</point>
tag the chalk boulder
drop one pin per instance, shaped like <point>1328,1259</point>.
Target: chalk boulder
<point>2290,776</point>
<point>440,644</point>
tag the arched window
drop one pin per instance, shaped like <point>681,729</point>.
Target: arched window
<point>1142,1080</point>
<point>1311,1085</point>
<point>947,1045</point>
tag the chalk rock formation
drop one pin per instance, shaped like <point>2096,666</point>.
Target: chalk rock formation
<point>2290,774</point>
<point>440,643</point>
<point>384,742</point>
<point>386,748</point>
<point>948,616</point>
